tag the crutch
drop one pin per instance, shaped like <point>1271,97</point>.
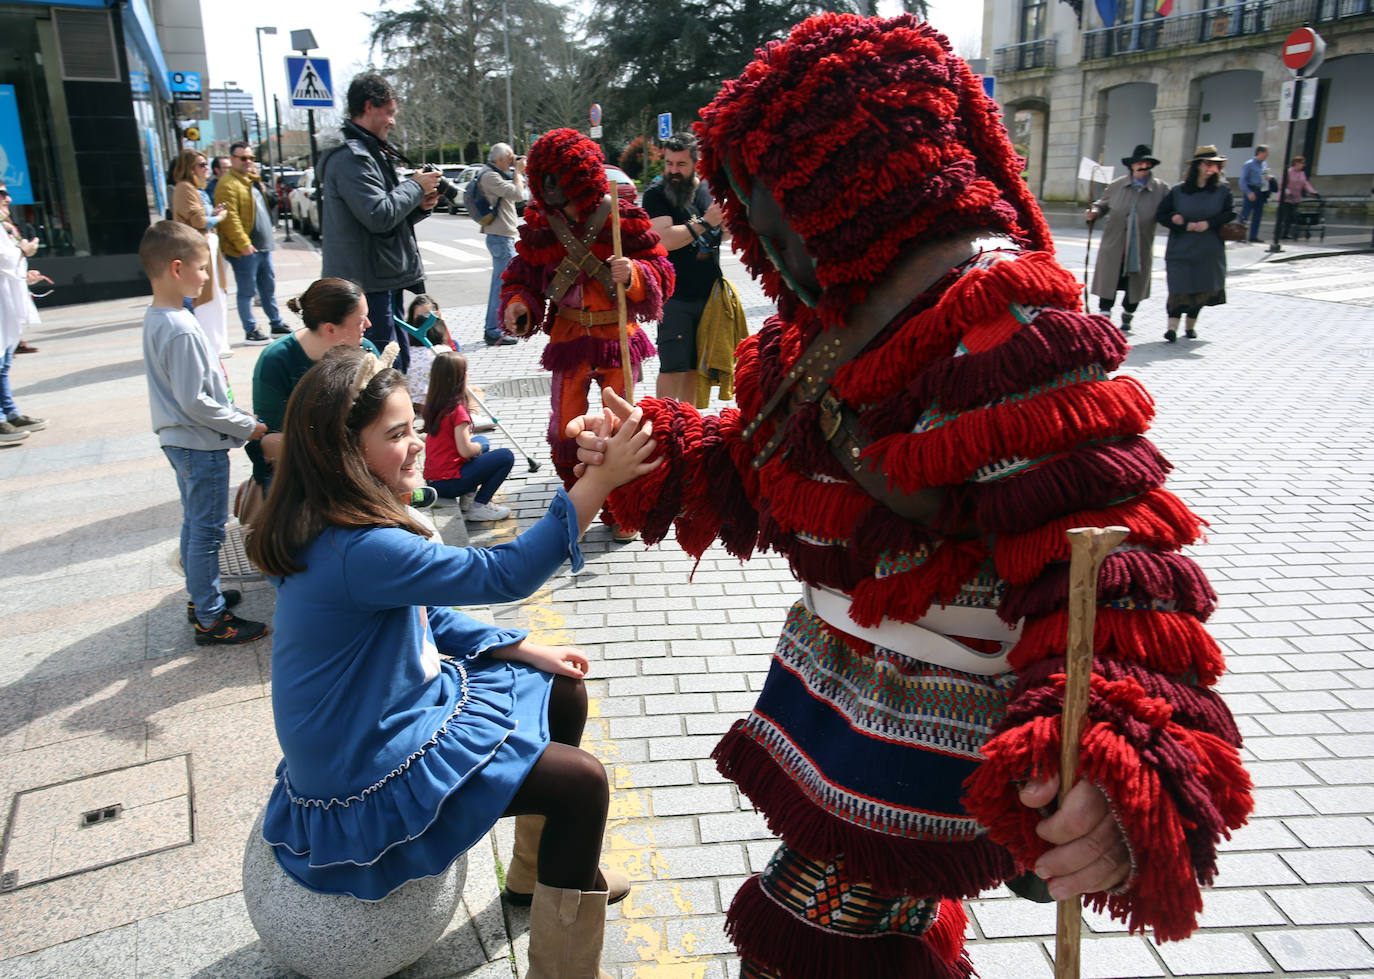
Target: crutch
<point>533,463</point>
<point>1088,548</point>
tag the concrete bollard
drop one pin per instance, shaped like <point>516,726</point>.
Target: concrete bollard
<point>333,936</point>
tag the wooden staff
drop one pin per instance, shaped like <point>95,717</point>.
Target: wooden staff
<point>1088,548</point>
<point>627,370</point>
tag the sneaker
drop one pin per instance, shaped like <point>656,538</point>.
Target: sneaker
<point>256,339</point>
<point>230,630</point>
<point>280,329</point>
<point>423,497</point>
<point>487,511</point>
<point>23,348</point>
<point>8,433</point>
<point>621,535</point>
<point>1190,333</point>
<point>28,424</point>
<point>1170,335</point>
<point>225,354</point>
<point>465,501</point>
<point>231,596</point>
<point>501,341</point>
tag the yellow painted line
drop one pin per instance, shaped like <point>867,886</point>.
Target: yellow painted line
<point>629,825</point>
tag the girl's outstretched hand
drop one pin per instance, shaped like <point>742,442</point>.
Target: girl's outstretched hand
<point>627,453</point>
<point>593,431</point>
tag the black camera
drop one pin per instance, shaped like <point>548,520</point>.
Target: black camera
<point>447,189</point>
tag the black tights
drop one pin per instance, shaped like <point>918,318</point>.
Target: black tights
<point>568,786</point>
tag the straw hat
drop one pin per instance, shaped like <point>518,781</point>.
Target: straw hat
<point>1208,154</point>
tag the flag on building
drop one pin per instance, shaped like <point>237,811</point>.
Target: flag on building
<point>1164,8</point>
<point>1106,9</point>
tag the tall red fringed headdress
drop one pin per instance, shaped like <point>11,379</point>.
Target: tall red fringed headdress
<point>575,162</point>
<point>872,134</point>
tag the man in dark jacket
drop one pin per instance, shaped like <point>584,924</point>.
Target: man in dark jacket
<point>367,213</point>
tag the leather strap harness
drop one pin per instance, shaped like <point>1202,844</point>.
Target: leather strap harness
<point>808,380</point>
<point>579,258</point>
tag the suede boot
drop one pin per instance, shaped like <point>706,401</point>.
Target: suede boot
<point>524,862</point>
<point>566,930</point>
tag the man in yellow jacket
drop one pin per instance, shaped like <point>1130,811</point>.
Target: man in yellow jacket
<point>245,237</point>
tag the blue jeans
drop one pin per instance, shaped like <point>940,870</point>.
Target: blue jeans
<point>203,479</point>
<point>254,274</point>
<point>483,475</point>
<point>1251,211</point>
<point>382,307</point>
<point>502,251</point>
<point>8,409</point>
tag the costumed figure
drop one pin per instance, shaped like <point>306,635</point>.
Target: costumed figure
<point>918,425</point>
<point>563,279</point>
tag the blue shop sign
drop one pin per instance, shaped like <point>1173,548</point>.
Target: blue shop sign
<point>14,162</point>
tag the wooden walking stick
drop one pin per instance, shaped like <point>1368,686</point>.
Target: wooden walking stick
<point>1088,548</point>
<point>627,370</point>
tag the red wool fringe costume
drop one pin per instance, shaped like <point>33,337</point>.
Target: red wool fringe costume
<point>891,781</point>
<point>582,345</point>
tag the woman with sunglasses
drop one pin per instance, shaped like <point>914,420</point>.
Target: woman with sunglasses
<point>16,311</point>
<point>191,205</point>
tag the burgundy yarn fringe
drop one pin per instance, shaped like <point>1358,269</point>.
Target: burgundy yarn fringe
<point>1083,479</point>
<point>1140,575</point>
<point>891,863</point>
<point>596,352</point>
<point>784,944</point>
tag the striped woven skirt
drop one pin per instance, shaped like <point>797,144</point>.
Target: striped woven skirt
<point>856,755</point>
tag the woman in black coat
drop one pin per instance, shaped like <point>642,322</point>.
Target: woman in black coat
<point>1195,257</point>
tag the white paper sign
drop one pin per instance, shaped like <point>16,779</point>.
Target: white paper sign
<point>1092,170</point>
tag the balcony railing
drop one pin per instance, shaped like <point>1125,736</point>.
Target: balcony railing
<point>1023,57</point>
<point>1243,19</point>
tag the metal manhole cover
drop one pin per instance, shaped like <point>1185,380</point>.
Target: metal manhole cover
<point>538,386</point>
<point>98,820</point>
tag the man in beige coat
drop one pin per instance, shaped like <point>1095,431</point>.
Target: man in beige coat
<point>1126,255</point>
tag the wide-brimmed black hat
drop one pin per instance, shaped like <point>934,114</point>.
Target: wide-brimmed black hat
<point>1141,155</point>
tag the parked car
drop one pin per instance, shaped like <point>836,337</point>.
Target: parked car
<point>625,187</point>
<point>287,181</point>
<point>455,173</point>
<point>305,210</point>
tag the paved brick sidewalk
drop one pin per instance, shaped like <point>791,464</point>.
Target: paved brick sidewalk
<point>1266,418</point>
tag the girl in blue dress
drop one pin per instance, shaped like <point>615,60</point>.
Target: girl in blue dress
<point>398,759</point>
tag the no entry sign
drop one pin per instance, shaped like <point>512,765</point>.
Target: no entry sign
<point>1304,50</point>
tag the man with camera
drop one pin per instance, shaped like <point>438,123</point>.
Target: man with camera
<point>368,213</point>
<point>503,183</point>
<point>689,223</point>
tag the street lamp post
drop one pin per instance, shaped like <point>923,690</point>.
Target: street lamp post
<point>228,119</point>
<point>258,32</point>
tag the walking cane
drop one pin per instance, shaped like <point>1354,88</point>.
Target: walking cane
<point>626,368</point>
<point>1088,548</point>
<point>1086,255</point>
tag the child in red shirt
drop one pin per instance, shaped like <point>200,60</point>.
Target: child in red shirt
<point>457,462</point>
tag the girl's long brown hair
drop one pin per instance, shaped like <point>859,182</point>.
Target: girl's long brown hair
<point>322,479</point>
<point>448,387</point>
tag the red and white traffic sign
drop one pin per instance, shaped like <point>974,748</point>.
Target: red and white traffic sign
<point>1304,49</point>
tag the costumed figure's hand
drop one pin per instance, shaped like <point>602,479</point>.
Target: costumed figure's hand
<point>620,270</point>
<point>1090,851</point>
<point>593,431</point>
<point>514,313</point>
<point>626,454</point>
<point>1177,219</point>
<point>558,660</point>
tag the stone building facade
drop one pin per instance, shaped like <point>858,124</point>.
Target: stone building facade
<point>1202,71</point>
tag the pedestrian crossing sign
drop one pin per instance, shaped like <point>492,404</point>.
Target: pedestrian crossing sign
<point>310,83</point>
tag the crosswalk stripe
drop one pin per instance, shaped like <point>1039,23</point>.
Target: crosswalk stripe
<point>1344,295</point>
<point>1287,282</point>
<point>448,251</point>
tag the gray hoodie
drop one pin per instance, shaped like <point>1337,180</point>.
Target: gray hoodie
<point>187,390</point>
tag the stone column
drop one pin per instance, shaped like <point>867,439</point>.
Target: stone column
<point>1175,139</point>
<point>1271,132</point>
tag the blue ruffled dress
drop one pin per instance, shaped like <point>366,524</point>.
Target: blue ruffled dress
<point>396,762</point>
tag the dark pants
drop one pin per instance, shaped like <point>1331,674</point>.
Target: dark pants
<point>381,307</point>
<point>483,475</point>
<point>1252,211</point>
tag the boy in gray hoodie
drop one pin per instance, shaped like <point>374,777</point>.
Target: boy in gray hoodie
<point>196,423</point>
